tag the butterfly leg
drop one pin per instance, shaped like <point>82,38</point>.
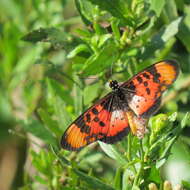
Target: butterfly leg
<point>137,124</point>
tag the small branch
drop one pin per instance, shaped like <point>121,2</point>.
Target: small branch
<point>129,152</point>
<point>137,177</point>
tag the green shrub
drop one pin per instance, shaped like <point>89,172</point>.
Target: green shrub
<point>57,58</point>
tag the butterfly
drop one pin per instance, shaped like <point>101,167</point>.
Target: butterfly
<point>126,108</point>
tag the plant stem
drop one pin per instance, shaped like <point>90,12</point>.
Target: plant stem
<point>129,152</point>
<point>139,173</point>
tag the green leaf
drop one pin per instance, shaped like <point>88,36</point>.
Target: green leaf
<point>158,41</point>
<point>77,50</point>
<point>23,65</point>
<point>84,33</point>
<point>184,29</point>
<point>172,117</point>
<point>126,179</point>
<point>60,157</point>
<point>55,36</point>
<point>103,39</point>
<point>90,93</point>
<point>185,120</point>
<point>186,184</point>
<point>36,35</point>
<point>60,90</point>
<point>37,129</point>
<point>161,162</point>
<point>86,10</point>
<point>103,60</point>
<point>118,179</point>
<point>92,181</point>
<point>43,161</point>
<point>99,29</point>
<point>91,159</point>
<point>113,153</point>
<point>61,112</point>
<point>157,6</point>
<point>78,100</point>
<point>115,29</point>
<point>171,30</point>
<point>32,93</point>
<point>135,188</point>
<point>170,11</point>
<point>152,174</point>
<point>59,106</point>
<point>49,122</point>
<point>11,9</point>
<point>159,122</point>
<point>180,4</point>
<point>164,153</point>
<point>40,179</point>
<point>117,8</point>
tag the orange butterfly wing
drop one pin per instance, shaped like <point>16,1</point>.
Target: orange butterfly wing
<point>99,122</point>
<point>148,86</point>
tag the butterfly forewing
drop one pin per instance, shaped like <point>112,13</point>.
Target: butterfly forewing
<point>148,86</point>
<point>105,121</point>
<point>86,128</point>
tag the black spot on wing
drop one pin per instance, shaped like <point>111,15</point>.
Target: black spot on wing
<point>145,83</point>
<point>152,70</point>
<point>146,76</point>
<point>140,80</point>
<point>95,111</point>
<point>85,129</point>
<point>157,75</point>
<point>131,86</point>
<point>80,123</point>
<point>88,118</point>
<point>148,91</point>
<point>101,123</point>
<point>96,119</point>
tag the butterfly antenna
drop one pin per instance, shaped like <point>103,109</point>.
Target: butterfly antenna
<point>88,77</point>
<point>111,69</point>
<point>128,90</point>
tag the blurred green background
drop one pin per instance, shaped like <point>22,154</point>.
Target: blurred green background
<point>56,58</point>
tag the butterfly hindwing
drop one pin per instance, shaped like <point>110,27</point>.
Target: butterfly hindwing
<point>118,124</point>
<point>148,86</point>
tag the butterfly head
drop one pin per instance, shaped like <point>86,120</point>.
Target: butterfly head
<point>114,84</point>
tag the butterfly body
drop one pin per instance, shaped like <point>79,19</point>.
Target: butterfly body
<point>127,108</point>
